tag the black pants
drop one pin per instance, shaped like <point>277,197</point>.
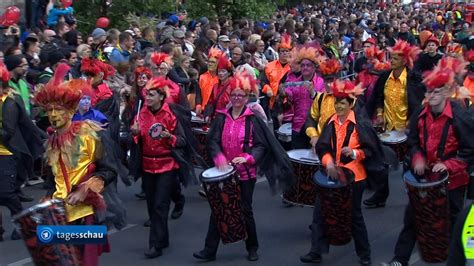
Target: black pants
<point>251,243</point>
<point>158,190</point>
<point>176,195</point>
<point>8,179</point>
<point>407,238</point>
<point>380,185</point>
<point>299,140</point>
<point>319,241</point>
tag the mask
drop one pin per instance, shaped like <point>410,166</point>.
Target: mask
<point>85,103</point>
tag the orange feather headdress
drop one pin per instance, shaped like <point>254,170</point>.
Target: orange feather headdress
<point>214,53</point>
<point>59,93</point>
<point>408,52</point>
<point>346,88</point>
<point>330,67</point>
<point>285,42</point>
<point>159,84</point>
<point>310,52</point>
<point>242,80</point>
<point>158,58</point>
<point>143,71</point>
<point>224,63</point>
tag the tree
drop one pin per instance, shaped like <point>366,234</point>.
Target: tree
<point>252,9</point>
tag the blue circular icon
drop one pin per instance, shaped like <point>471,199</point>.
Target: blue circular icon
<point>45,234</point>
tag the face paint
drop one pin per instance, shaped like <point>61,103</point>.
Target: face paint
<point>59,117</point>
<point>85,104</point>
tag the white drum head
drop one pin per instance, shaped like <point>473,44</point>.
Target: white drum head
<point>393,137</point>
<point>213,174</point>
<point>199,130</point>
<point>285,129</point>
<point>305,156</point>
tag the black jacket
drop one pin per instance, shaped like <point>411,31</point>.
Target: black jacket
<point>21,136</point>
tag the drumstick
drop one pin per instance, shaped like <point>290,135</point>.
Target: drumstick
<point>139,108</point>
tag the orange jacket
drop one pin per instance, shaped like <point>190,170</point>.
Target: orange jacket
<point>356,165</point>
<point>207,81</point>
<point>274,71</point>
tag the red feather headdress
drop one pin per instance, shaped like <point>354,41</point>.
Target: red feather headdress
<point>158,58</point>
<point>92,66</point>
<point>454,48</point>
<point>444,73</point>
<point>4,74</point>
<point>330,67</point>
<point>242,80</point>
<point>285,42</point>
<point>143,71</point>
<point>407,51</point>
<point>159,84</point>
<point>346,88</point>
<point>224,63</point>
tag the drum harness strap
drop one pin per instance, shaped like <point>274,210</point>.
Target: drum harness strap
<point>442,141</point>
<point>347,138</point>
<point>248,125</point>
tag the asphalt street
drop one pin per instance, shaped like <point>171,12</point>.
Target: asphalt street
<point>283,232</point>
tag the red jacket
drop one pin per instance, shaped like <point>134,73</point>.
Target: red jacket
<point>458,175</point>
<point>102,92</point>
<point>220,97</point>
<point>156,154</point>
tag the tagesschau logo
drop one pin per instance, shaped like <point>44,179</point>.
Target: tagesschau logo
<point>71,234</point>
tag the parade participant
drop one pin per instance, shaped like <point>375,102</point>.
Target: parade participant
<point>85,112</point>
<point>440,141</point>
<point>164,64</point>
<point>396,96</point>
<point>157,159</point>
<point>323,104</point>
<point>347,141</point>
<point>360,63</point>
<point>20,144</point>
<point>272,75</point>
<point>469,80</point>
<point>79,158</point>
<point>428,59</point>
<point>254,146</point>
<point>208,80</point>
<point>301,95</point>
<point>136,96</point>
<point>221,91</point>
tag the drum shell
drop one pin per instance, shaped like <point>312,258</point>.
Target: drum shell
<point>53,213</point>
<point>284,132</point>
<point>224,198</point>
<point>336,210</point>
<point>304,191</point>
<point>398,144</point>
<point>201,136</point>
<point>283,137</point>
<point>432,217</point>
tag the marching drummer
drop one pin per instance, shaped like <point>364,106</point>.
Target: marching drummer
<point>219,97</point>
<point>323,104</point>
<point>439,141</point>
<point>301,96</point>
<point>158,134</point>
<point>78,179</point>
<point>240,138</point>
<point>396,96</point>
<point>208,80</point>
<point>352,137</point>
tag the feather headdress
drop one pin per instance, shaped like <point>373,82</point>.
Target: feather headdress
<point>158,58</point>
<point>444,73</point>
<point>92,66</point>
<point>346,88</point>
<point>311,52</point>
<point>408,52</point>
<point>224,63</point>
<point>242,80</point>
<point>285,42</point>
<point>214,53</point>
<point>330,67</point>
<point>143,71</point>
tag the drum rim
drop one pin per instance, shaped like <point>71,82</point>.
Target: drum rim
<point>217,178</point>
<point>335,186</point>
<point>405,138</point>
<point>285,133</point>
<point>41,205</point>
<point>199,130</point>
<point>306,162</point>
<point>426,184</point>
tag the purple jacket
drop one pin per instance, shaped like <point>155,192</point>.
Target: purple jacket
<point>301,100</point>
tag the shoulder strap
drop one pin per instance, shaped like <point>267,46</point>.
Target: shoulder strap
<point>350,129</point>
<point>248,124</point>
<point>320,101</point>
<point>444,138</point>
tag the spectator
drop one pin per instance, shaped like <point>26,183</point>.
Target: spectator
<point>122,52</point>
<point>57,11</point>
<point>188,48</point>
<point>17,66</point>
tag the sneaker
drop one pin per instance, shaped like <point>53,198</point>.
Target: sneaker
<point>311,258</point>
<point>252,256</point>
<point>34,181</point>
<point>153,253</point>
<point>365,261</point>
<point>394,262</point>
<point>202,193</point>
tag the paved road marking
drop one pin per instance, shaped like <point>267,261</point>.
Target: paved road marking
<point>110,232</point>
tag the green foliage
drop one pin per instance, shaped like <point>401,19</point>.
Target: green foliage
<point>253,9</point>
<point>120,12</point>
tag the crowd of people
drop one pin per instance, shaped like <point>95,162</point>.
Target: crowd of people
<point>123,104</point>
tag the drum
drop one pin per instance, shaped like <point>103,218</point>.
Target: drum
<point>284,132</point>
<point>223,193</point>
<point>336,205</point>
<point>51,212</point>
<point>397,140</point>
<point>197,121</point>
<point>305,164</point>
<point>432,219</point>
<point>201,135</point>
